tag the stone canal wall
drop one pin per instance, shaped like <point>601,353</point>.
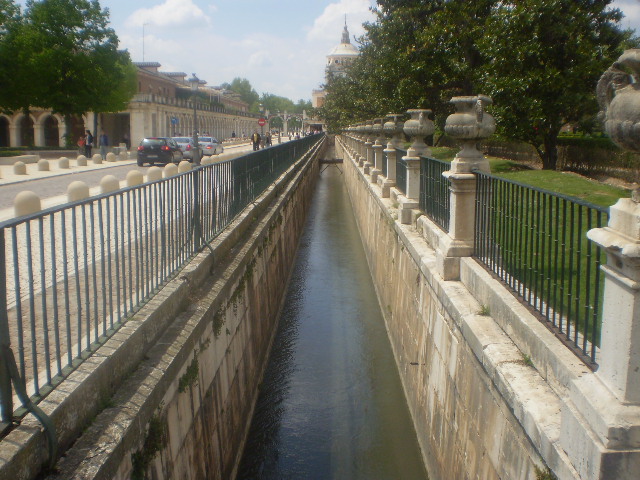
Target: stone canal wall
<point>486,382</point>
<point>185,410</point>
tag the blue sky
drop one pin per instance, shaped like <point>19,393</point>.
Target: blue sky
<point>279,46</point>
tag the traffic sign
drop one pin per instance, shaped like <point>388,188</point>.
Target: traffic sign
<point>262,122</point>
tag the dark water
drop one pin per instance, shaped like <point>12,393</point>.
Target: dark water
<point>331,405</point>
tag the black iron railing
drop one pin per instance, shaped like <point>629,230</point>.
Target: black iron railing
<point>401,171</point>
<point>73,274</point>
<point>434,191</point>
<point>535,241</point>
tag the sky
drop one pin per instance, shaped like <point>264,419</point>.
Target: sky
<point>279,46</point>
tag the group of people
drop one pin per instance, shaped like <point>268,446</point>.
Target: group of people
<point>259,141</point>
<point>85,144</point>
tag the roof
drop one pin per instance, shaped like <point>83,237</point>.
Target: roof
<point>344,50</point>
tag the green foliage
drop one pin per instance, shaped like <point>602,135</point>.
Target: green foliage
<point>155,440</point>
<point>545,63</point>
<point>484,311</point>
<point>545,474</point>
<point>526,359</point>
<point>190,376</point>
<point>539,60</point>
<point>65,57</point>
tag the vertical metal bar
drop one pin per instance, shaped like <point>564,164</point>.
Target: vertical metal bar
<point>103,268</point>
<point>6,395</point>
<point>32,308</point>
<point>572,226</point>
<point>110,261</point>
<point>67,303</point>
<point>85,252</point>
<point>43,301</point>
<point>54,291</point>
<point>94,275</point>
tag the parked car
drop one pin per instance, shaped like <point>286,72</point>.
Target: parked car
<point>158,150</point>
<point>210,145</point>
<point>186,145</point>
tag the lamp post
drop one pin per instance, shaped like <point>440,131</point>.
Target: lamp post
<point>195,83</point>
<point>261,116</point>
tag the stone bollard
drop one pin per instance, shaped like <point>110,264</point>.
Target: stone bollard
<point>77,191</point>
<point>26,203</point>
<point>109,183</point>
<point>63,163</point>
<point>111,157</point>
<point>153,174</point>
<point>81,161</point>
<point>184,166</point>
<point>134,177</point>
<point>170,170</point>
<point>206,160</point>
<point>43,165</point>
<point>96,159</point>
<point>19,168</point>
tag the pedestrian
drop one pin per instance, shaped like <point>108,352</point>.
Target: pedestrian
<point>104,143</point>
<point>88,144</point>
<point>268,139</point>
<point>125,140</point>
<point>233,134</point>
<point>81,141</point>
<point>255,138</point>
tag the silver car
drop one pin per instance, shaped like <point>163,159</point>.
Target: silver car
<point>210,145</point>
<point>186,145</point>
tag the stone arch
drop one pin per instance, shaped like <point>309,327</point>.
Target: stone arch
<point>50,130</point>
<point>26,132</point>
<point>5,137</point>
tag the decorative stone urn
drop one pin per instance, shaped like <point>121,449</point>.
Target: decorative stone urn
<point>418,127</point>
<point>392,129</point>
<point>470,124</point>
<point>618,93</point>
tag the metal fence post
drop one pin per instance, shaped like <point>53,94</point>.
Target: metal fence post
<point>6,397</point>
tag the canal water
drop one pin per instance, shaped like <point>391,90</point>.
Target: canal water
<point>331,404</point>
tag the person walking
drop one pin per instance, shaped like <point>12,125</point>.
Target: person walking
<point>255,138</point>
<point>81,141</point>
<point>88,144</point>
<point>103,143</point>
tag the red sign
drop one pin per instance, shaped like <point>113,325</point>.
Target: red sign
<point>262,122</point>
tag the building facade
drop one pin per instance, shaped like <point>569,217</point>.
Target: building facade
<point>163,106</point>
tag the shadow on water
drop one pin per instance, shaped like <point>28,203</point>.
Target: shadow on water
<point>331,403</point>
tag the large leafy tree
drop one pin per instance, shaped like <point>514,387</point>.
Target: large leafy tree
<point>538,59</point>
<point>247,93</point>
<point>65,57</point>
<point>546,58</point>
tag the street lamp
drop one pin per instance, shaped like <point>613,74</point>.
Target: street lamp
<point>195,83</point>
<point>261,116</point>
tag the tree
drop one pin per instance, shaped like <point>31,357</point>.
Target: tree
<point>247,94</point>
<point>65,57</point>
<point>546,58</point>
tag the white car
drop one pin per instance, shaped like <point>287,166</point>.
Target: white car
<point>186,145</point>
<point>210,146</point>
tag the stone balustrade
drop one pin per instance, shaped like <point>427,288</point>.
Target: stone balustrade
<point>599,428</point>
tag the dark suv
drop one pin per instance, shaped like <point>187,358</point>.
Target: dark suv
<point>158,150</point>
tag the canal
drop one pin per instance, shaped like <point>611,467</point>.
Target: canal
<point>331,405</point>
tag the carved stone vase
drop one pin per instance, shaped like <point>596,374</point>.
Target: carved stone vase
<point>417,128</point>
<point>619,98</point>
<point>470,124</point>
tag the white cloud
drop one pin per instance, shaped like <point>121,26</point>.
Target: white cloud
<point>171,13</point>
<point>328,26</point>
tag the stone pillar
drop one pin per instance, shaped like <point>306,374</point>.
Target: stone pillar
<point>619,357</point>
<point>38,134</point>
<point>377,149</point>
<point>416,128</point>
<point>469,124</point>
<point>368,147</point>
<point>393,131</point>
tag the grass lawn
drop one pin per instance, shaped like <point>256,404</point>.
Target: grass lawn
<point>565,183</point>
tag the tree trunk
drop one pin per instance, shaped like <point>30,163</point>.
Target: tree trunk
<point>550,156</point>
